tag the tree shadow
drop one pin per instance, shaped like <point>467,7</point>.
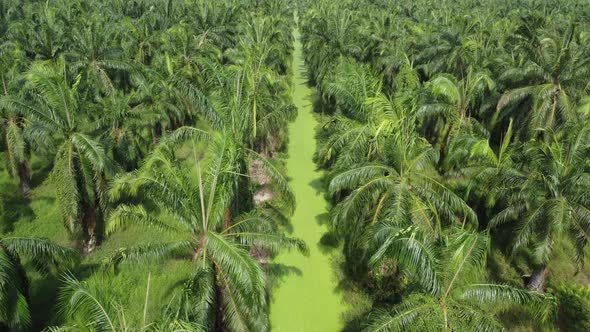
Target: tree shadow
<point>278,273</point>
<point>14,207</point>
<point>354,323</point>
<point>354,318</point>
<point>44,287</point>
<point>285,226</point>
<point>43,292</point>
<point>320,188</point>
<point>323,219</point>
<point>328,243</point>
<point>317,184</point>
<point>40,173</point>
<point>87,269</point>
<point>177,284</point>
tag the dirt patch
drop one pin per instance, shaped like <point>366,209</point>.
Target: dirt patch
<point>262,195</point>
<point>258,174</point>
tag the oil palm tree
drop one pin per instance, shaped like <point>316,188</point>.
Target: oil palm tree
<point>139,41</point>
<point>264,92</point>
<point>169,97</point>
<point>452,49</point>
<point>454,101</point>
<point>12,122</point>
<point>455,296</point>
<point>350,85</point>
<point>548,80</point>
<point>548,200</point>
<point>14,284</point>
<point>125,129</point>
<point>183,49</point>
<point>81,164</point>
<point>389,53</point>
<point>216,26</point>
<point>366,118</point>
<point>480,170</point>
<point>355,133</point>
<point>40,33</point>
<point>230,113</point>
<point>251,101</point>
<point>328,35</point>
<point>473,155</point>
<point>228,287</point>
<point>95,57</point>
<point>403,189</point>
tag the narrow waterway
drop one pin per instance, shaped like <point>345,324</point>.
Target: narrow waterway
<point>307,301</point>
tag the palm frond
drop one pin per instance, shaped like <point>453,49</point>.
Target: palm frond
<point>76,299</point>
<point>503,296</point>
<point>150,252</point>
<point>416,313</point>
<point>413,252</point>
<point>134,214</point>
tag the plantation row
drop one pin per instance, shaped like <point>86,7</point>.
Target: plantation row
<point>152,130</point>
<point>455,140</point>
<point>143,183</point>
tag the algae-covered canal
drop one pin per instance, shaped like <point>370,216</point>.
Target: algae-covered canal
<point>307,301</point>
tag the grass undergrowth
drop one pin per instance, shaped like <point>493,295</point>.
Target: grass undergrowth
<point>38,216</point>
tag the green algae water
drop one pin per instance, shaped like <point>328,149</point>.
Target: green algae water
<point>306,301</point>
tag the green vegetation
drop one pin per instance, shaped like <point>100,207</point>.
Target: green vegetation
<point>574,305</point>
<point>256,165</point>
<point>455,145</point>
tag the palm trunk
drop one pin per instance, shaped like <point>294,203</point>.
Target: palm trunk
<point>158,132</point>
<point>263,147</point>
<point>24,175</point>
<point>443,308</point>
<point>227,218</point>
<point>274,142</point>
<point>219,322</point>
<point>536,282</point>
<point>447,142</point>
<point>90,221</point>
<point>261,256</point>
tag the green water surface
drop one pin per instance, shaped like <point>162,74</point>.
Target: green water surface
<point>306,301</point>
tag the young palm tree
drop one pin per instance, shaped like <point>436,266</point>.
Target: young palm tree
<point>14,284</point>
<point>85,308</point>
<point>228,287</point>
<point>455,298</point>
<point>81,164</point>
